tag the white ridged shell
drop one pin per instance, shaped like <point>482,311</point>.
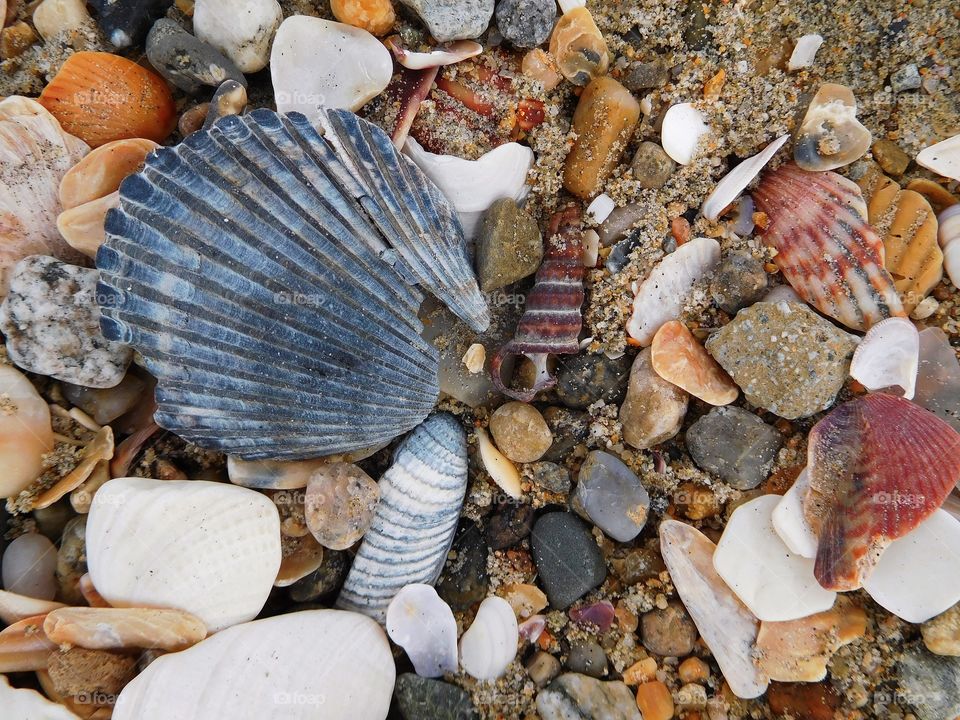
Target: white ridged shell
<point>660,298</point>
<point>736,181</point>
<point>413,526</point>
<point>311,665</point>
<point>420,622</point>
<point>22,704</point>
<point>947,235</point>
<point>212,549</point>
<point>888,356</point>
<point>490,644</point>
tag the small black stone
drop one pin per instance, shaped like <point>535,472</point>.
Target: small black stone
<point>569,563</point>
<point>569,428</point>
<point>643,76</point>
<point>419,698</point>
<point>508,526</point>
<point>738,282</point>
<point>588,658</point>
<point>464,580</point>
<point>586,379</point>
<point>186,61</point>
<point>126,22</point>
<point>323,581</point>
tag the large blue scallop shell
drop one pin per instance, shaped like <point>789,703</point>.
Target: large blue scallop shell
<point>413,525</point>
<point>244,266</point>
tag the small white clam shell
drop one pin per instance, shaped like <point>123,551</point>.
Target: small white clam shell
<point>473,185</point>
<point>29,564</point>
<point>736,181</point>
<point>804,52</point>
<point>23,704</point>
<point>490,643</point>
<point>212,549</point>
<point>947,234</point>
<point>420,622</point>
<point>916,576</point>
<point>942,158</point>
<point>442,55</point>
<point>310,665</point>
<point>888,356</point>
<point>661,296</point>
<point>683,126</point>
<point>791,524</point>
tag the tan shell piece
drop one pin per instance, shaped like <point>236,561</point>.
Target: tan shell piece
<point>24,646</point>
<point>908,226</point>
<point>114,628</point>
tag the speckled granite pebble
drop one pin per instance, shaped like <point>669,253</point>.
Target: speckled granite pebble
<point>458,20</point>
<point>735,445</point>
<point>419,698</point>
<point>52,324</point>
<point>930,683</point>
<point>577,697</point>
<point>526,23</point>
<point>785,357</point>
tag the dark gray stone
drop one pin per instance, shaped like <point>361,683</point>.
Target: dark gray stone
<point>569,563</point>
<point>526,23</point>
<point>509,246</point>
<point>186,61</point>
<point>739,281</point>
<point>611,496</point>
<point>126,22</point>
<point>646,75</point>
<point>587,378</point>
<point>573,696</point>
<point>930,684</point>
<point>419,698</point>
<point>464,580</point>
<point>323,581</point>
<point>735,445</point>
<point>551,477</point>
<point>588,658</point>
<point>508,526</point>
<point>569,428</point>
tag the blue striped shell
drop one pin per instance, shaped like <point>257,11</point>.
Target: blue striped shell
<point>414,523</point>
<point>250,268</point>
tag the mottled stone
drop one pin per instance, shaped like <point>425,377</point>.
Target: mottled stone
<point>639,564</point>
<point>453,19</point>
<point>508,526</point>
<point>646,75</point>
<point>588,658</point>
<point>735,445</point>
<point>653,409</point>
<point>578,46</point>
<point>186,61</point>
<point>906,78</point>
<point>324,581</point>
<point>569,563</point>
<point>339,504</point>
<point>739,281</point>
<point>651,165</point>
<point>578,697</point>
<point>542,667</point>
<point>941,634</point>
<point>785,358</point>
<point>51,322</point>
<point>509,245</point>
<point>464,580</point>
<point>890,157</point>
<point>569,428</point>
<point>419,698</point>
<point>126,22</point>
<point>930,683</point>
<point>78,671</point>
<point>520,432</point>
<point>604,121</point>
<point>611,496</point>
<point>587,379</point>
<point>669,632</point>
<point>551,477</point>
<point>526,23</point>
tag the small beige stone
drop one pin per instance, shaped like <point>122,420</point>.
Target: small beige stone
<point>520,432</point>
<point>339,504</point>
<point>56,16</point>
<point>526,600</point>
<point>654,409</point>
<point>941,634</point>
<point>475,357</point>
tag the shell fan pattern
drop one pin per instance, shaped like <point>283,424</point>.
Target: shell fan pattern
<point>250,268</point>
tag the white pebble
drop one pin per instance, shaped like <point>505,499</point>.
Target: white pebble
<point>591,248</point>
<point>29,567</point>
<point>56,16</point>
<point>241,29</point>
<point>601,207</point>
<point>804,52</point>
<point>683,127</point>
<point>490,644</point>
<point>420,622</point>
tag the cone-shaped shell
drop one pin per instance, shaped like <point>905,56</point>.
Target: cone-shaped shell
<point>275,317</point>
<point>825,248</point>
<point>413,525</point>
<point>878,466</point>
<point>100,97</point>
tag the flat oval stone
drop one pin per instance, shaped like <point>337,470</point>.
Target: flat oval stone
<point>187,62</point>
<point>654,409</point>
<point>734,445</point>
<point>339,504</point>
<point>611,496</point>
<point>568,561</point>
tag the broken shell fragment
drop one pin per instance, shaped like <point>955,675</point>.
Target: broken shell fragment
<point>498,466</point>
<point>15,607</point>
<point>678,358</point>
<point>947,235</point>
<point>661,296</point>
<point>830,135</point>
<point>888,356</point>
<point>942,158</point>
<point>790,522</point>
<point>301,556</point>
<point>25,431</point>
<point>938,377</point>
<point>804,52</point>
<point>24,647</point>
<point>99,449</point>
<point>490,643</point>
<point>825,248</point>
<point>736,181</point>
<point>441,55</point>
<point>24,704</point>
<point>117,628</point>
<point>100,173</point>
<point>681,132</point>
<point>878,467</point>
<point>423,625</point>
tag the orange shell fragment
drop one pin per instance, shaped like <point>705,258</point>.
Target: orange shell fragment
<point>678,358</point>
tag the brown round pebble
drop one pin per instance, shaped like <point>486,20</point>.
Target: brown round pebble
<point>520,432</point>
<point>652,167</point>
<point>890,157</point>
<point>693,670</point>
<point>669,632</point>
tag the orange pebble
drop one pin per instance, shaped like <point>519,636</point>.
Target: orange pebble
<point>374,16</point>
<point>678,358</point>
<point>640,672</point>
<point>100,97</point>
<point>655,701</point>
<point>692,670</point>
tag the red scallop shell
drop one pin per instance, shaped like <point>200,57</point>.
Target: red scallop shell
<point>825,248</point>
<point>878,467</point>
<point>100,97</point>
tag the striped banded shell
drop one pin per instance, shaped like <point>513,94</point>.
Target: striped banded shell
<point>825,248</point>
<point>414,523</point>
<point>249,267</point>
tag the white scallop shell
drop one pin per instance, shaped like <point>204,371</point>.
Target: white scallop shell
<point>473,185</point>
<point>23,704</point>
<point>947,234</point>
<point>420,622</point>
<point>413,526</point>
<point>736,181</point>
<point>490,643</point>
<point>888,356</point>
<point>311,665</point>
<point>942,158</point>
<point>211,549</point>
<point>660,298</point>
<point>683,126</point>
<point>804,51</point>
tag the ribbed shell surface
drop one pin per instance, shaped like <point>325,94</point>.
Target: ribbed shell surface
<point>414,523</point>
<point>273,314</point>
